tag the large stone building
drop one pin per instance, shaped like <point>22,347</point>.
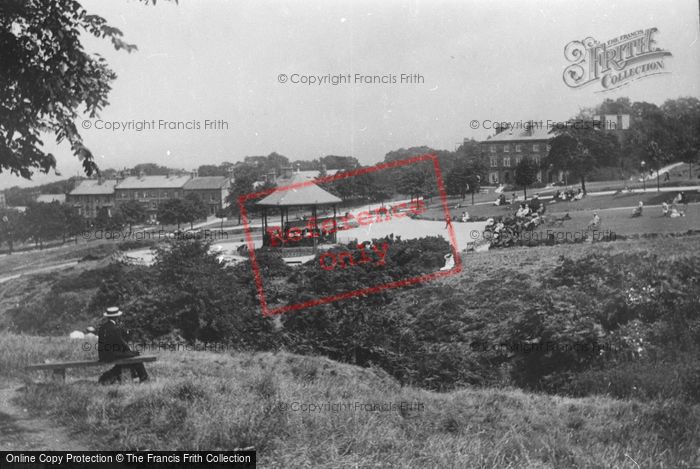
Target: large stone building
<point>502,152</point>
<point>91,195</point>
<point>150,191</point>
<point>211,189</point>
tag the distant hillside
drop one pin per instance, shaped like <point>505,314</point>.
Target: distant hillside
<point>206,400</point>
<point>22,196</point>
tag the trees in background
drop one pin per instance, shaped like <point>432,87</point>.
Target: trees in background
<point>581,150</point>
<point>465,178</point>
<point>684,115</point>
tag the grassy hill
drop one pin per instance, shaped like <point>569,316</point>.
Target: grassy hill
<point>220,400</point>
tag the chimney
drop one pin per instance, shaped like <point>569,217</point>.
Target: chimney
<point>100,179</point>
<point>286,172</point>
<point>142,174</point>
<point>502,128</point>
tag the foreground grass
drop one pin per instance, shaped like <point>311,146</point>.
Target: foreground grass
<point>206,400</point>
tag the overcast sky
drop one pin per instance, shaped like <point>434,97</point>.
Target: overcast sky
<point>219,59</point>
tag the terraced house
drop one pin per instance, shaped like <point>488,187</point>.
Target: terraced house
<point>211,189</point>
<point>150,191</point>
<point>91,195</point>
<point>502,152</point>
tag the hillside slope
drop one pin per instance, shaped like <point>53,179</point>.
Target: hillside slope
<point>219,400</point>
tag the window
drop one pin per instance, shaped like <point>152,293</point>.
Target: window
<point>537,159</point>
<point>549,147</point>
<point>212,198</point>
<point>494,162</point>
<point>506,148</point>
<point>152,194</point>
<point>535,148</point>
<point>506,162</point>
<point>493,148</point>
<point>518,159</point>
<point>518,148</point>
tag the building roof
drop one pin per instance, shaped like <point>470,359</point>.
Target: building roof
<point>537,132</point>
<point>48,198</point>
<point>94,187</point>
<point>307,195</point>
<point>153,182</point>
<point>208,182</point>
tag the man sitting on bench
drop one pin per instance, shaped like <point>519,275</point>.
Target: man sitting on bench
<point>112,346</point>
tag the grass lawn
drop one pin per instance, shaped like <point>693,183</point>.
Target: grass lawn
<point>220,401</point>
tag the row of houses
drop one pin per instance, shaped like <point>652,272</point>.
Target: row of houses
<point>92,195</point>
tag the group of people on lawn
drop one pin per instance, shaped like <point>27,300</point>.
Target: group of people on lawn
<point>678,206</point>
<point>676,209</point>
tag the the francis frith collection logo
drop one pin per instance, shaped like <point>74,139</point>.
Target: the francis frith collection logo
<point>614,63</point>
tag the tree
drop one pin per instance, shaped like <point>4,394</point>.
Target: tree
<point>174,212</point>
<point>683,115</point>
<point>151,169</point>
<point>526,174</point>
<point>416,181</point>
<point>108,220</point>
<point>132,211</point>
<point>212,170</point>
<point>580,150</point>
<point>244,179</point>
<point>465,178</point>
<point>196,209</point>
<point>46,76</point>
<point>457,179</point>
<point>73,223</point>
<point>652,136</point>
<point>11,229</point>
<point>340,162</point>
<point>43,222</point>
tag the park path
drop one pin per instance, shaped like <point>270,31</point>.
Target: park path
<point>49,268</point>
<point>21,431</point>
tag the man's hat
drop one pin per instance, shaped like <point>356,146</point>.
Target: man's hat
<point>112,312</point>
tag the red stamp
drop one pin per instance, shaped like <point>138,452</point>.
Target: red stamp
<point>316,230</point>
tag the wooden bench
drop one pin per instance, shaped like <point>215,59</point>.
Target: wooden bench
<point>59,368</point>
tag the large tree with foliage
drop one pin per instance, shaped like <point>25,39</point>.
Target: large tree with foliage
<point>683,115</point>
<point>197,209</point>
<point>46,77</point>
<point>581,149</point>
<point>526,174</point>
<point>132,211</point>
<point>174,212</point>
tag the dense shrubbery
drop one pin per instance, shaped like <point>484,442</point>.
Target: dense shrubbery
<point>625,324</point>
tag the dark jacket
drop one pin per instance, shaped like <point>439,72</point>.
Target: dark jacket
<point>111,344</point>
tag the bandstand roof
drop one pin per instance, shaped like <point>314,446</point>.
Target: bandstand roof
<point>307,195</point>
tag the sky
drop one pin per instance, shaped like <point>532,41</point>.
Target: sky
<point>222,60</point>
